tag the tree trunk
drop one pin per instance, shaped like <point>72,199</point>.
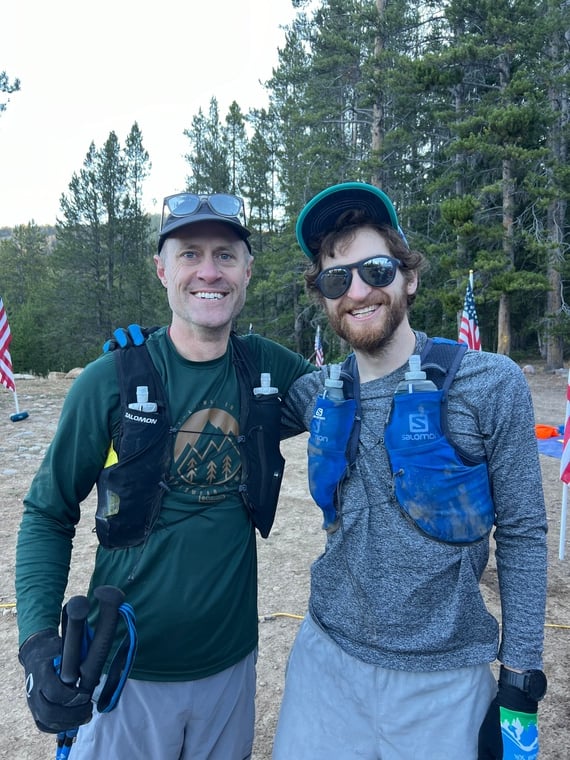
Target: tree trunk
<point>504,325</point>
<point>378,107</point>
<point>558,97</point>
<point>504,318</point>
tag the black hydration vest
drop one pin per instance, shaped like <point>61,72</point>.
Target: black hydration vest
<point>130,490</point>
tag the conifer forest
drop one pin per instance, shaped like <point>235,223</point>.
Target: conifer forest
<point>458,110</point>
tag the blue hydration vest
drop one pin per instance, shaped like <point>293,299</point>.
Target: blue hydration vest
<point>440,488</point>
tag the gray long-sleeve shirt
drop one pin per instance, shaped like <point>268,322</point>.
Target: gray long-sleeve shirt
<point>393,597</point>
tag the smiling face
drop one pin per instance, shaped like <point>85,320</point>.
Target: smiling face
<point>205,269</point>
<point>367,317</point>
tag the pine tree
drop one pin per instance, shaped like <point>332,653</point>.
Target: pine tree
<point>27,281</point>
<point>208,157</point>
<point>235,140</point>
<point>103,253</point>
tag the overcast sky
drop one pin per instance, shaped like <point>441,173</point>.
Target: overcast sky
<point>86,69</point>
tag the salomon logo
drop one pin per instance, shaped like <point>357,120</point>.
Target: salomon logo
<point>29,685</point>
<point>419,428</point>
<point>419,437</point>
<point>419,423</point>
<point>137,418</point>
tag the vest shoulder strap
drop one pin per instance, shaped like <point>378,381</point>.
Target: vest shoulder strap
<point>246,370</point>
<point>135,368</point>
<point>441,359</point>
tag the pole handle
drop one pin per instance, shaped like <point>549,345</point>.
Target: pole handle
<point>77,609</point>
<point>110,599</point>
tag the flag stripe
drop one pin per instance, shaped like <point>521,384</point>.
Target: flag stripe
<point>319,355</point>
<point>469,327</point>
<point>6,373</point>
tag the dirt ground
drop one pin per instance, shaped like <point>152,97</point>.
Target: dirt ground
<point>284,561</point>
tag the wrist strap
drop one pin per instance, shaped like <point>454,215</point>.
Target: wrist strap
<point>121,664</point>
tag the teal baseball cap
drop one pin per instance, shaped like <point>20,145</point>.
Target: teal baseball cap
<point>321,213</point>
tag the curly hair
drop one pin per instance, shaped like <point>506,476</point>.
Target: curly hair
<point>344,232</point>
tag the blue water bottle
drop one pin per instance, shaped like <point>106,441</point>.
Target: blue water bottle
<point>415,378</point>
<point>333,417</point>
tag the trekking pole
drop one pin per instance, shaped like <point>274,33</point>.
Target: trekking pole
<point>76,611</point>
<point>110,599</point>
<point>85,675</point>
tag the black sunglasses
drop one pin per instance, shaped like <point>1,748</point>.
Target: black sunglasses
<point>186,204</point>
<point>378,271</point>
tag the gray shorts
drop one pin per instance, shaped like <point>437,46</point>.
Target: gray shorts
<point>335,706</point>
<point>209,719</point>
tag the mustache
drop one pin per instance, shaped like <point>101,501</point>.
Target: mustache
<point>349,305</point>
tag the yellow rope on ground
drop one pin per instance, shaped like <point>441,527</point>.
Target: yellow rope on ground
<point>274,615</point>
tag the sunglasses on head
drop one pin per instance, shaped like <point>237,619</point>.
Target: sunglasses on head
<point>378,271</point>
<point>186,204</point>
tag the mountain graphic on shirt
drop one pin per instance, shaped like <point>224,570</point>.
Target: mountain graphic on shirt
<point>206,450</point>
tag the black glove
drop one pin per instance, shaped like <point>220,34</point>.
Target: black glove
<point>133,335</point>
<point>55,706</point>
<point>511,722</point>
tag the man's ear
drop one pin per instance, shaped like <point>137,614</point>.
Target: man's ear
<point>249,268</point>
<point>249,272</point>
<point>412,284</point>
<point>160,269</point>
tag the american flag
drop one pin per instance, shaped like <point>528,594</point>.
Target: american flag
<point>565,460</point>
<point>469,327</point>
<point>319,356</point>
<point>6,374</point>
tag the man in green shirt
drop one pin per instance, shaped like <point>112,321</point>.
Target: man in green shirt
<point>193,580</point>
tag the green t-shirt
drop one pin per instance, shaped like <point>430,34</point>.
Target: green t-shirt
<point>193,584</point>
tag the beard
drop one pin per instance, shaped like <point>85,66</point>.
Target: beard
<point>370,339</point>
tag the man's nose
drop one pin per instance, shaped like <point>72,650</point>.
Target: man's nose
<point>208,269</point>
<point>358,288</point>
